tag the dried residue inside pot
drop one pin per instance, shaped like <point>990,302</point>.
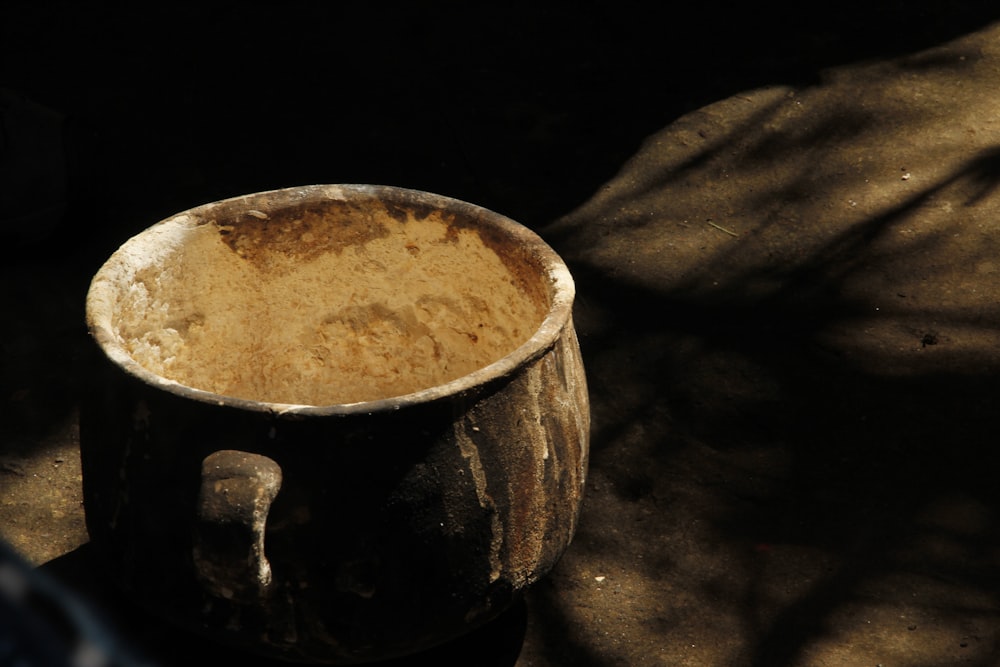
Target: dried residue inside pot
<point>323,306</point>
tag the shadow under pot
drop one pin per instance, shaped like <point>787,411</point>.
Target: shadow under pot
<point>333,423</point>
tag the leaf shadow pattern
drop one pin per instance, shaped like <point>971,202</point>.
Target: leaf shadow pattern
<point>840,454</point>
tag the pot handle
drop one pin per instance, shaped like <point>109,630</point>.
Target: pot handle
<point>236,492</point>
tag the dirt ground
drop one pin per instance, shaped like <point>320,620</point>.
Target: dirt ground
<point>785,242</point>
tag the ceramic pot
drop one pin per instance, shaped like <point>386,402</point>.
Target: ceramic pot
<point>333,423</point>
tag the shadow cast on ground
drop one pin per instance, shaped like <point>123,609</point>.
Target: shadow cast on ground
<point>832,477</point>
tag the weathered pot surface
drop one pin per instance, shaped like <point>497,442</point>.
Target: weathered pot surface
<point>333,423</point>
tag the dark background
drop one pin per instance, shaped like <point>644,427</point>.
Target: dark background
<point>522,107</point>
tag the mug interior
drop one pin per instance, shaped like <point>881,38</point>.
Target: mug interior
<point>323,295</point>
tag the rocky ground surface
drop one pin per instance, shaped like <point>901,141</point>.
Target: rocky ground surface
<point>786,248</point>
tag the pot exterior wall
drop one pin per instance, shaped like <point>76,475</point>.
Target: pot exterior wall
<point>391,531</point>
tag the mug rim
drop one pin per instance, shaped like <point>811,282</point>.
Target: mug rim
<point>561,291</point>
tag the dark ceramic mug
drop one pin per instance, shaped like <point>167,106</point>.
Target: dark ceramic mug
<point>333,423</point>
